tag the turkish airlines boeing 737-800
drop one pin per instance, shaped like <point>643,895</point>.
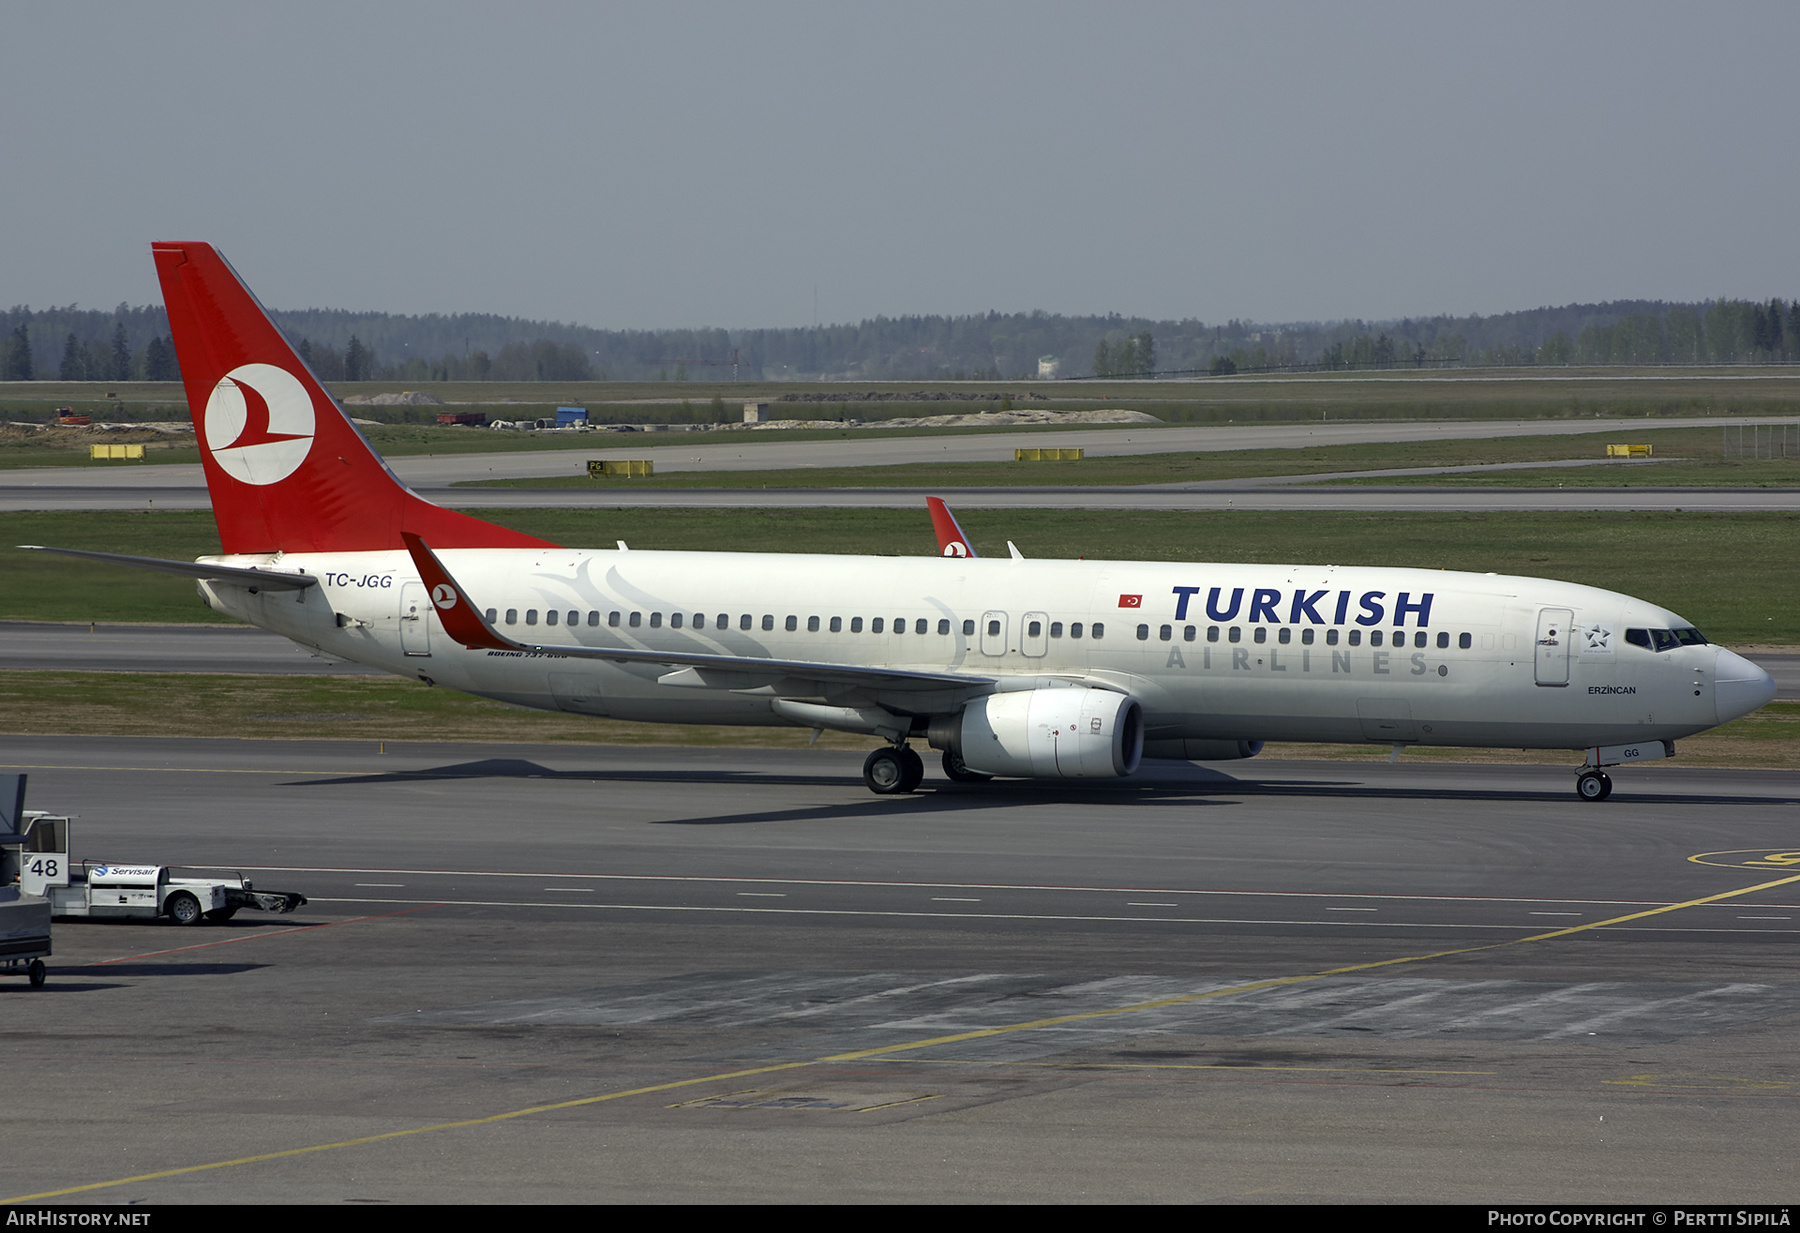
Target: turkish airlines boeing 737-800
<point>1011,667</point>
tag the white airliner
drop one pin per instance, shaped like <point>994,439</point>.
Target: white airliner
<point>1011,667</point>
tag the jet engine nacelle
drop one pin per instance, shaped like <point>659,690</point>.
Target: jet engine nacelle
<point>1049,734</point>
<point>1202,751</point>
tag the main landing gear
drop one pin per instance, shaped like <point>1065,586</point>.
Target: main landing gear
<point>1593,785</point>
<point>898,769</point>
<point>893,769</point>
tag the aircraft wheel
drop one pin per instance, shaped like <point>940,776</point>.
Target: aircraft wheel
<point>885,772</point>
<point>915,769</point>
<point>954,769</point>
<point>1593,786</point>
<point>184,909</point>
<point>35,973</point>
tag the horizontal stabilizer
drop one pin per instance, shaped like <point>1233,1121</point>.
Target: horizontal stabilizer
<point>255,579</point>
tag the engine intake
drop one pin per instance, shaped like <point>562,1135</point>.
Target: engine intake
<point>1047,734</point>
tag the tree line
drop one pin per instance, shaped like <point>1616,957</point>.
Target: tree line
<point>73,344</point>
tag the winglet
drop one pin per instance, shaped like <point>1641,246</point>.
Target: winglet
<point>951,540</point>
<point>462,620</point>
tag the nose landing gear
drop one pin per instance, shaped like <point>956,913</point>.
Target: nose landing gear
<point>1593,785</point>
<point>892,770</point>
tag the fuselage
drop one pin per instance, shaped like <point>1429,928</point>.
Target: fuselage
<point>1213,652</point>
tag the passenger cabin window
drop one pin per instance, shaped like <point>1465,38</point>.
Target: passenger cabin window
<point>993,629</point>
<point>1355,638</point>
<point>768,621</point>
<point>1075,629</point>
<point>636,619</point>
<point>674,620</point>
<point>1187,633</point>
<point>792,624</point>
<point>612,619</point>
<point>531,616</point>
<point>1306,636</point>
<point>837,625</point>
<point>1465,641</point>
<point>490,616</point>
<point>1331,636</point>
<point>877,625</point>
<point>1098,630</point>
<point>594,618</point>
<point>1143,633</point>
<point>812,625</point>
<point>1284,635</point>
<point>1262,635</point>
<point>550,617</point>
<point>656,620</point>
<point>1212,633</point>
<point>969,629</point>
<point>856,625</point>
<point>943,627</point>
<point>922,626</point>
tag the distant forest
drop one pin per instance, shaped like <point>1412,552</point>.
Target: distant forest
<point>132,344</point>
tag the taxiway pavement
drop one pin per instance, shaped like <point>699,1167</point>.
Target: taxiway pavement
<point>559,973</point>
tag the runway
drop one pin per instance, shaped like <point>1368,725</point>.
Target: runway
<point>433,476</point>
<point>561,973</point>
<point>1244,497</point>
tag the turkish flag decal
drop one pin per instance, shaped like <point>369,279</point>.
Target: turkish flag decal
<point>1131,601</point>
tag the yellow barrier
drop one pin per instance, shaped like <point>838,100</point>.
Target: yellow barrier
<point>115,451</point>
<point>1628,451</point>
<point>628,466</point>
<point>1021,455</point>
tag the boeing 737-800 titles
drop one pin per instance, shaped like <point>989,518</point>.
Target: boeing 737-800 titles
<point>1010,667</point>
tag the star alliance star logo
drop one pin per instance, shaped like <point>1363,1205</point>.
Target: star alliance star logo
<point>1597,638</point>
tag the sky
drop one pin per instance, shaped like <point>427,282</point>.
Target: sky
<point>750,164</point>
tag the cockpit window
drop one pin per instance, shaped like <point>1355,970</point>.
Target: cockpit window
<point>1665,639</point>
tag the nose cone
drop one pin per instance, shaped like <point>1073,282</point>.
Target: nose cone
<point>1739,686</point>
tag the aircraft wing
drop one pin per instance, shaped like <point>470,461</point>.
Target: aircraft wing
<point>255,579</point>
<point>463,621</point>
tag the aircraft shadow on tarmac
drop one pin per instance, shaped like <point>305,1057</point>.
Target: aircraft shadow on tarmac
<point>1172,784</point>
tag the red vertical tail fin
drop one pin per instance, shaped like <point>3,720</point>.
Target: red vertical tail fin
<point>951,540</point>
<point>287,470</point>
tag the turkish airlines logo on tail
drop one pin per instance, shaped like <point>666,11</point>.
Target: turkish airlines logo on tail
<point>259,424</point>
<point>956,548</point>
<point>444,595</point>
